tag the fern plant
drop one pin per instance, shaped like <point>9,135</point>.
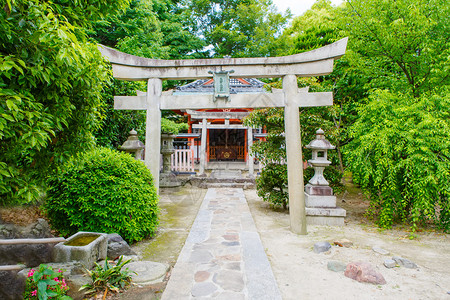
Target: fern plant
<point>108,277</point>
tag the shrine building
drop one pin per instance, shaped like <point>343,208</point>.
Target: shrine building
<point>227,139</point>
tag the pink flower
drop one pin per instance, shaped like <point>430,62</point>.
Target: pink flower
<point>64,282</point>
<point>30,273</point>
<point>56,279</point>
<point>60,271</point>
<point>34,293</point>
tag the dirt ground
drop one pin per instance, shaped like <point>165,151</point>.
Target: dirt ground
<point>301,273</point>
<point>21,216</point>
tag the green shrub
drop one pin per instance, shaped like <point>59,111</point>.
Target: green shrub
<point>272,184</point>
<point>103,191</point>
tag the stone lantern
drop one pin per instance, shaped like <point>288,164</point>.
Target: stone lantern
<point>133,145</point>
<point>167,150</point>
<point>320,202</point>
<point>167,178</point>
<point>318,185</point>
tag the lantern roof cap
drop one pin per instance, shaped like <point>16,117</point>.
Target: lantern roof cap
<point>132,142</point>
<point>320,142</point>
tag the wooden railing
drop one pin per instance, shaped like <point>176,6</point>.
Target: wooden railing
<point>182,160</point>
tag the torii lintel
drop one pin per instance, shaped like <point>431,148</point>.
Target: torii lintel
<point>312,63</point>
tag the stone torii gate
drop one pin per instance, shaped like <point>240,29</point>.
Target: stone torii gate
<point>313,63</point>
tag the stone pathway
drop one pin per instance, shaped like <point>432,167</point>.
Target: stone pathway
<point>223,257</point>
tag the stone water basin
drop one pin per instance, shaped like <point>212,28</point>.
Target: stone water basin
<point>84,247</point>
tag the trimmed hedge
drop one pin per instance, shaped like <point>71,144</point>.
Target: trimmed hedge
<point>103,191</point>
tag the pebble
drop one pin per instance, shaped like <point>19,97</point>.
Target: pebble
<point>336,266</point>
<point>380,250</point>
<point>404,262</point>
<point>320,247</point>
<point>389,263</point>
<point>343,243</point>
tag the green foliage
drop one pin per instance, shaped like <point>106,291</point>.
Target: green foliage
<point>81,13</point>
<point>136,31</point>
<point>103,191</point>
<point>146,28</point>
<point>319,26</point>
<point>236,27</point>
<point>315,28</point>
<point>272,183</point>
<point>403,45</point>
<point>111,277</point>
<point>44,283</point>
<point>169,126</point>
<point>50,91</point>
<point>400,153</point>
<point>116,124</point>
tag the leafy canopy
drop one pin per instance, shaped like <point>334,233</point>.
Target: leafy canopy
<point>399,151</point>
<point>403,44</point>
<point>50,88</point>
<point>239,28</point>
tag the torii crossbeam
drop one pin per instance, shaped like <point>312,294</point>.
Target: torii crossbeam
<point>313,63</point>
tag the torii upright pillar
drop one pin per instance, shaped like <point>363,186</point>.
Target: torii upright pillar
<point>153,128</point>
<point>297,211</point>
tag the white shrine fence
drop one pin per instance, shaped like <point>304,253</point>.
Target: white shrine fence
<point>182,161</point>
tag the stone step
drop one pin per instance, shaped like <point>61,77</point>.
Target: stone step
<point>208,180</point>
<point>325,216</point>
<point>243,185</point>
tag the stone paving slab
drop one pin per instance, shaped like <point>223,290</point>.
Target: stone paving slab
<point>223,257</point>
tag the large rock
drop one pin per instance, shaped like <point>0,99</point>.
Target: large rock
<point>12,285</point>
<point>75,282</point>
<point>40,229</point>
<point>364,272</point>
<point>29,254</point>
<point>8,231</point>
<point>117,246</point>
